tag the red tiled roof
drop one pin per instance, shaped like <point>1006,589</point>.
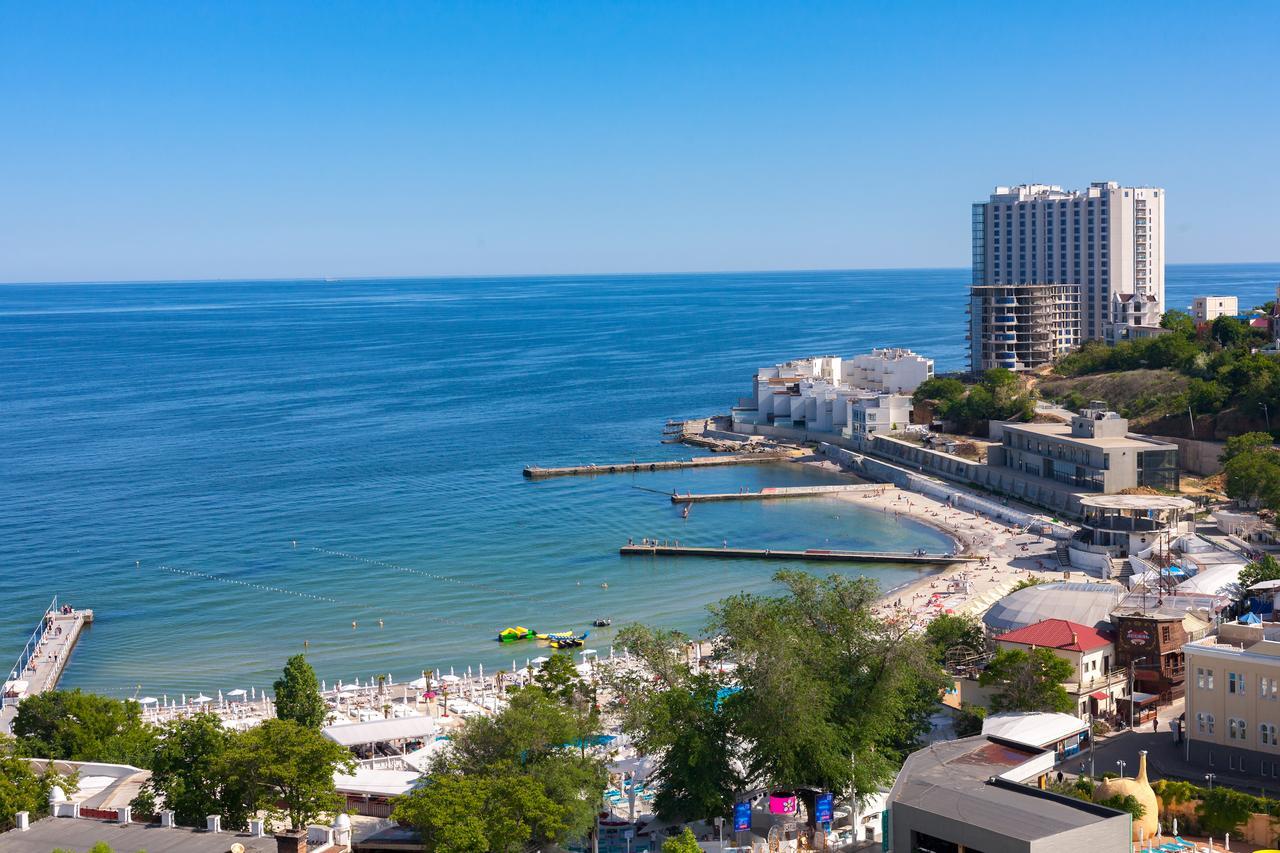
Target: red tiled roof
<point>1058,634</point>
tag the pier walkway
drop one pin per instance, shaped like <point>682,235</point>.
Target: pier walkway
<point>774,492</point>
<point>534,472</point>
<point>41,663</point>
<point>815,554</point>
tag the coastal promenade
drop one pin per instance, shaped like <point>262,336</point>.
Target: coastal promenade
<point>820,555</point>
<point>44,658</point>
<point>775,492</point>
<point>534,472</point>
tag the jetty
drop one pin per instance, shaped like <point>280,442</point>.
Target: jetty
<point>535,472</point>
<point>825,555</point>
<point>43,659</point>
<point>774,492</point>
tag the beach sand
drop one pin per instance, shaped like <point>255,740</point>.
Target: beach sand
<point>971,588</point>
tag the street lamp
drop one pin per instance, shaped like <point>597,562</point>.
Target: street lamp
<point>1121,763</point>
<point>1210,777</point>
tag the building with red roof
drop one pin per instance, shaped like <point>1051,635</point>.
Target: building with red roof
<point>1098,684</point>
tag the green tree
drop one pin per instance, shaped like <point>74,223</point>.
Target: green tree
<point>1265,568</point>
<point>962,634</point>
<point>685,842</point>
<point>823,679</point>
<point>969,719</point>
<point>1029,680</point>
<point>1179,321</point>
<point>1125,803</point>
<point>501,812</point>
<point>70,725</point>
<point>533,745</point>
<point>681,720</point>
<point>1223,810</point>
<point>1249,442</point>
<point>298,694</point>
<point>1207,396</point>
<point>938,390</point>
<point>22,789</point>
<point>191,774</point>
<point>287,768</point>
<point>1027,582</point>
<point>1253,478</point>
<point>1228,331</point>
<point>559,679</point>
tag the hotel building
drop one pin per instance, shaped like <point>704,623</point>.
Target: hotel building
<point>1233,700</point>
<point>1107,241</point>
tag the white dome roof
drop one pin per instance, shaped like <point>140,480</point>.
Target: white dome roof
<point>57,795</point>
<point>1087,603</point>
<point>342,821</point>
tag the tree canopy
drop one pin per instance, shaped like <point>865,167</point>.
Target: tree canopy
<point>823,680</point>
<point>963,635</point>
<point>287,769</point>
<point>1029,680</point>
<point>998,395</point>
<point>298,694</point>
<point>190,773</point>
<point>1265,568</point>
<point>685,842</point>
<point>22,789</point>
<point>526,763</point>
<point>683,723</point>
<point>73,726</point>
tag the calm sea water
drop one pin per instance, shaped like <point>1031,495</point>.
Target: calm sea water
<point>165,445</point>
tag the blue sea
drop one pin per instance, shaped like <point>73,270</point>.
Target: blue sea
<point>226,470</point>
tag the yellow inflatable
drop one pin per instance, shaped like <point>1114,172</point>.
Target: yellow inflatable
<point>1149,824</point>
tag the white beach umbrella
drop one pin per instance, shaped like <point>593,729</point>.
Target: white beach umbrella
<point>202,699</point>
<point>220,699</point>
<point>184,698</point>
<point>323,688</point>
<point>148,700</point>
<point>252,694</point>
<point>450,678</point>
<point>348,688</point>
<point>451,670</point>
<point>239,692</point>
<point>539,660</point>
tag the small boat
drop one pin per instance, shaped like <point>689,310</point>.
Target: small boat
<point>510,635</point>
<point>602,623</point>
<point>685,512</point>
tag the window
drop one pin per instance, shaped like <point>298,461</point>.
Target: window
<point>1236,729</point>
<point>1267,733</point>
<point>1204,678</point>
<point>1231,684</point>
<point>1164,633</point>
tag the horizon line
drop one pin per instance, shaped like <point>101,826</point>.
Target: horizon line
<point>483,276</point>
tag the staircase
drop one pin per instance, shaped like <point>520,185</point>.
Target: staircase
<point>1121,568</point>
<point>1063,553</point>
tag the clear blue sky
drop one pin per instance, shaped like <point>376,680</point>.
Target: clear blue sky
<point>193,140</point>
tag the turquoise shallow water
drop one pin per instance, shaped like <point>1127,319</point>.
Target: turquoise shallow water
<point>153,431</point>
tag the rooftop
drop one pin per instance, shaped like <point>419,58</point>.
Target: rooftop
<point>1033,729</point>
<point>1062,431</point>
<point>1058,634</point>
<point>381,731</point>
<point>50,833</point>
<point>1138,502</point>
<point>956,780</point>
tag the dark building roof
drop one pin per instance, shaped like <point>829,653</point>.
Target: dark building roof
<point>81,834</point>
<point>956,779</point>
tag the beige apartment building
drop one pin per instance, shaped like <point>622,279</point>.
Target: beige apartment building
<point>1206,309</point>
<point>1233,700</point>
<point>1107,240</point>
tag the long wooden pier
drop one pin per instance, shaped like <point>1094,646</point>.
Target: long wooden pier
<point>42,661</point>
<point>775,492</point>
<point>815,554</point>
<point>535,472</point>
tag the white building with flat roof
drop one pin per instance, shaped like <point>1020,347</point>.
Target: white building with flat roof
<point>1206,309</point>
<point>1106,239</point>
<point>862,395</point>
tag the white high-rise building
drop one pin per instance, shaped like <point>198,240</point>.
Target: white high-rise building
<point>1107,240</point>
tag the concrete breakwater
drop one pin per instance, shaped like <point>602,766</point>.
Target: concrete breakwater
<point>535,472</point>
<point>774,492</point>
<point>813,554</point>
